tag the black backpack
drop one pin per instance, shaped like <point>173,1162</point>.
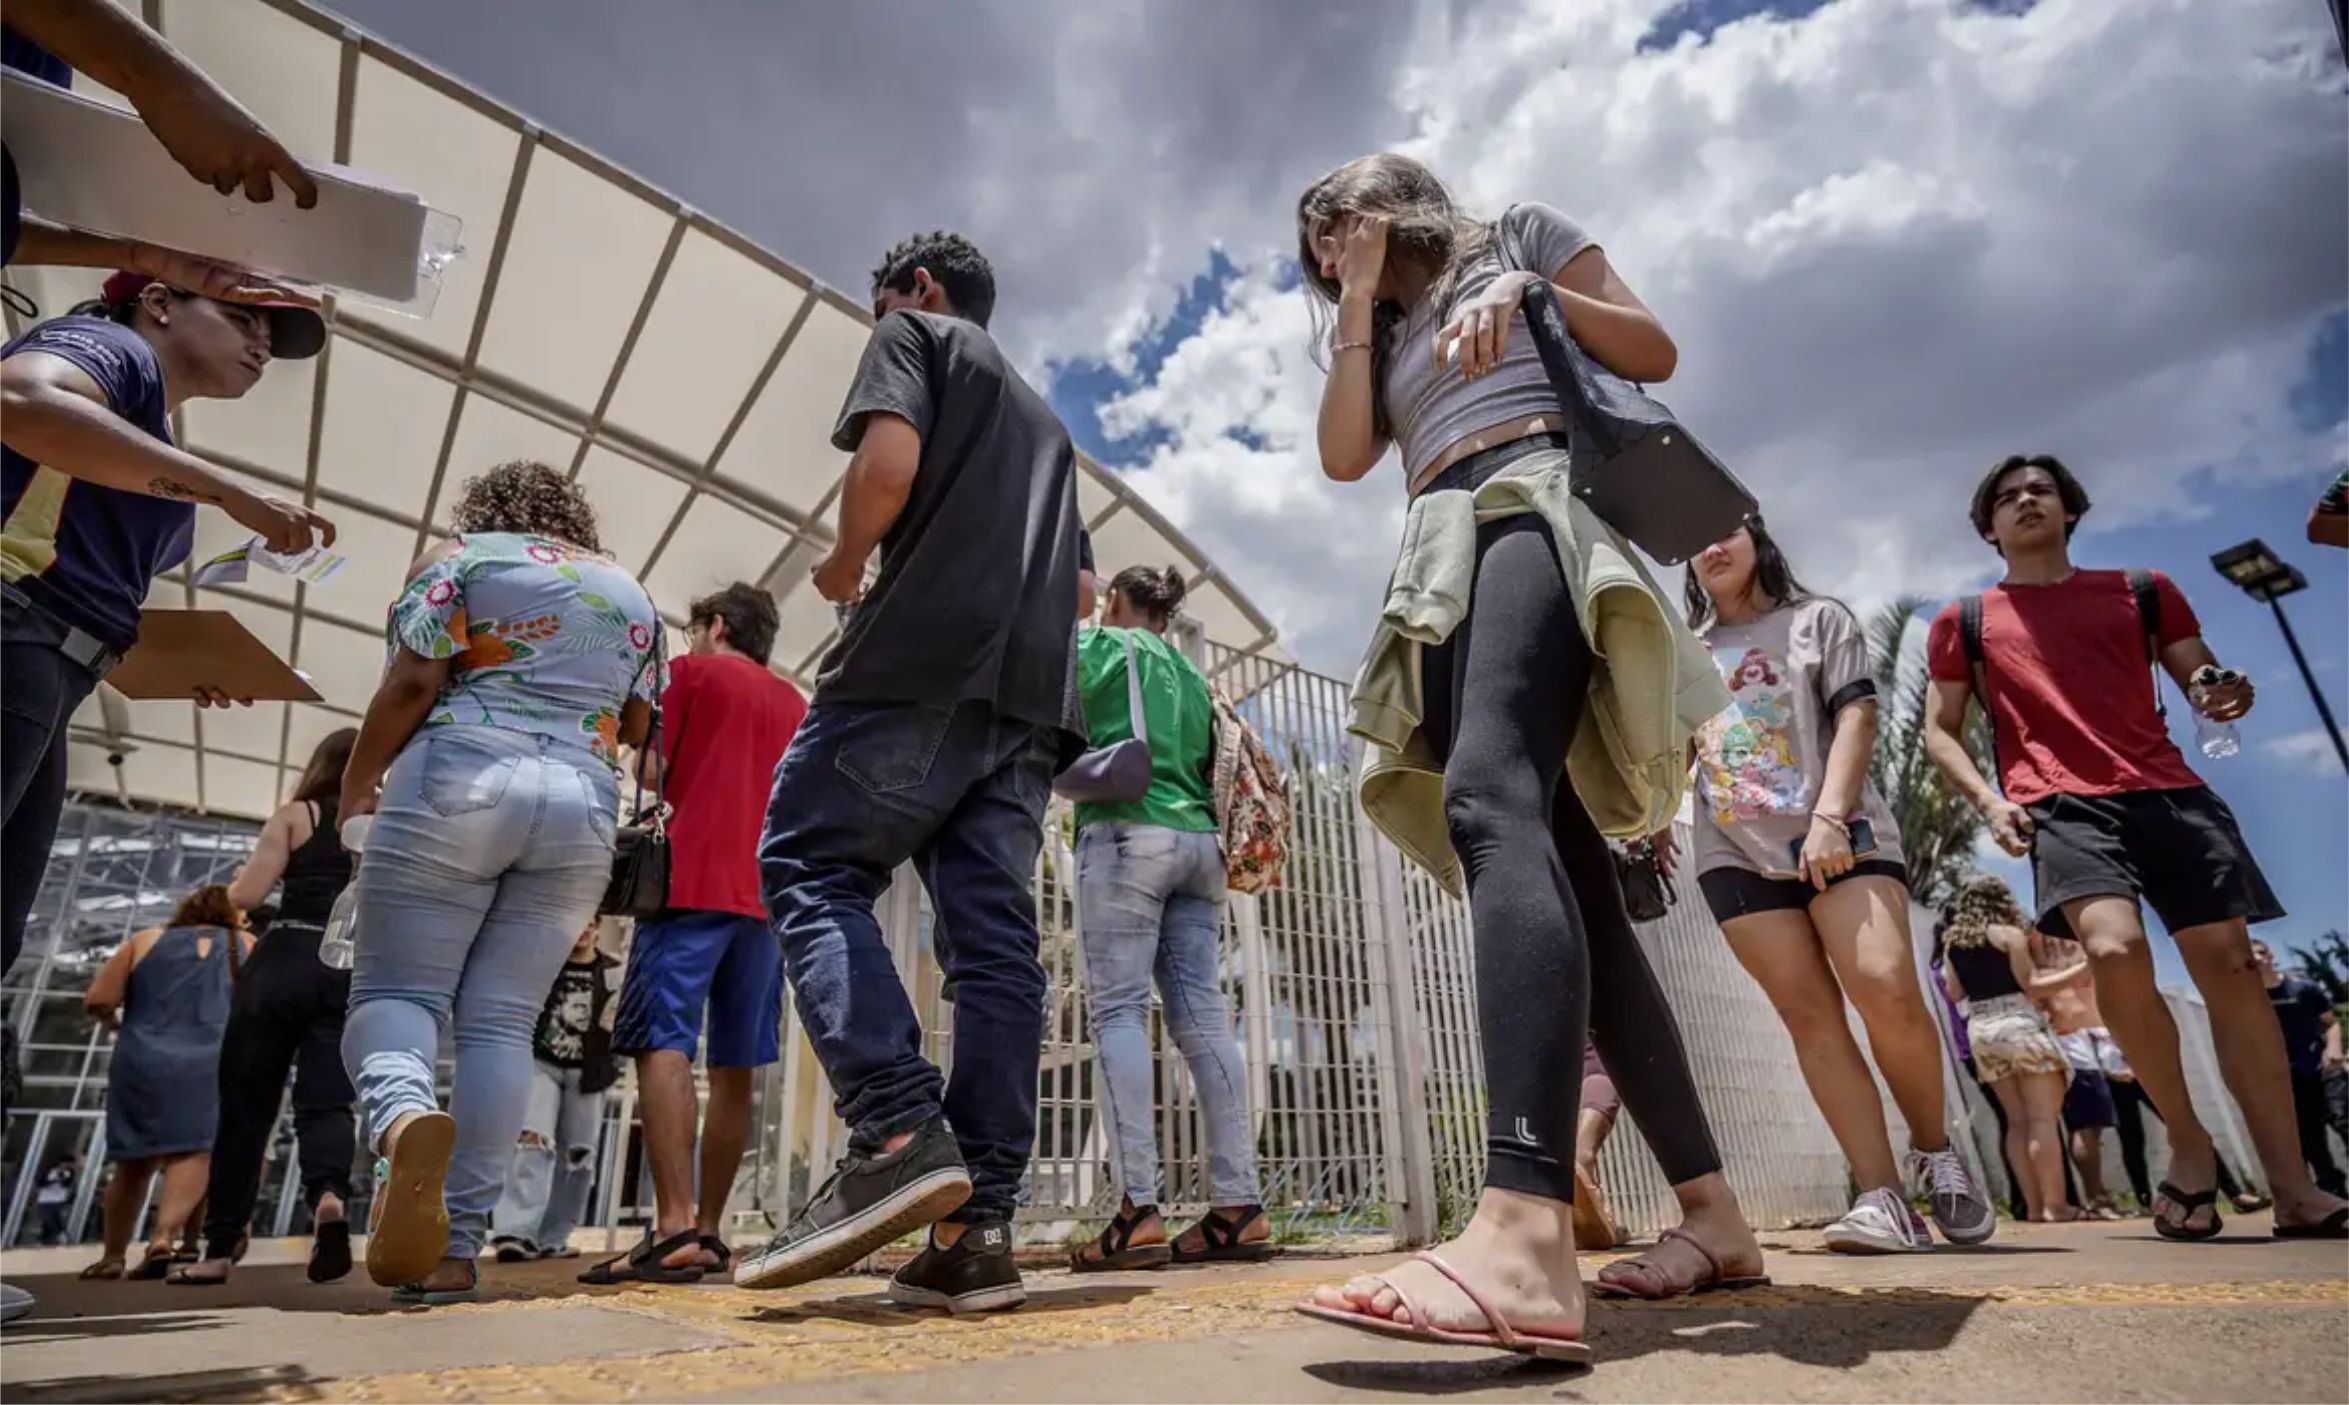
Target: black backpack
<point>2141,589</point>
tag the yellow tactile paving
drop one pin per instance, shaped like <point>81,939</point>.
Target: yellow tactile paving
<point>820,1332</point>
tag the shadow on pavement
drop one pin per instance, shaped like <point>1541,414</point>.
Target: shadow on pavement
<point>1825,1327</point>
<point>283,1382</point>
<point>875,1310</point>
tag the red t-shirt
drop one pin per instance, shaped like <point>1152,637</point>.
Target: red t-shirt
<point>725,722</point>
<point>2071,693</point>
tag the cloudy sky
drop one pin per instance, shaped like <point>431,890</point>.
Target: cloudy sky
<point>1895,239</point>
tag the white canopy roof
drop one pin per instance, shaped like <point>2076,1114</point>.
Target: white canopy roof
<point>687,377</point>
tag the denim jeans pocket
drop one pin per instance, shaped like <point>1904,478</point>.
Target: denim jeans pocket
<point>603,806</point>
<point>892,746</point>
<point>462,776</point>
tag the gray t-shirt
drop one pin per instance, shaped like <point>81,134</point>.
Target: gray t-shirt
<point>1432,409</point>
<point>1760,764</point>
<point>977,593</point>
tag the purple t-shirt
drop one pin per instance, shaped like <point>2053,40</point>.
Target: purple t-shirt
<point>79,549</point>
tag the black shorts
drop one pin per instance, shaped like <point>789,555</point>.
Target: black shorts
<point>2178,851</point>
<point>2088,1101</point>
<point>1741,892</point>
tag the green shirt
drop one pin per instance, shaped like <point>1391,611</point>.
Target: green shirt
<point>1180,719</point>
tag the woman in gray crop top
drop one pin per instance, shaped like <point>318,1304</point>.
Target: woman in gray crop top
<point>1427,350</point>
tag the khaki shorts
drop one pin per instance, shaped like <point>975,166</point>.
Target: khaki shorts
<point>2010,1036</point>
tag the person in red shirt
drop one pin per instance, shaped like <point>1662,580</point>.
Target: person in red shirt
<point>725,723</point>
<point>2111,815</point>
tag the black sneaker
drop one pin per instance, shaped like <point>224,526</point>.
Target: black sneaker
<point>976,1275</point>
<point>868,1201</point>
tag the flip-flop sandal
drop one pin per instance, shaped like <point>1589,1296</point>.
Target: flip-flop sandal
<point>712,1244</point>
<point>330,1251</point>
<point>1220,1242</point>
<point>181,1277</point>
<point>411,1230</point>
<point>642,1264</point>
<point>156,1265</point>
<point>1594,1228</point>
<point>2184,1205</point>
<point>103,1268</point>
<point>1116,1249</point>
<point>1717,1280</point>
<point>2332,1226</point>
<point>1502,1337</point>
<point>417,1295</point>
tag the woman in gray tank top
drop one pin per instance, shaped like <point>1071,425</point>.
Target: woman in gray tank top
<point>1427,352</point>
<point>166,995</point>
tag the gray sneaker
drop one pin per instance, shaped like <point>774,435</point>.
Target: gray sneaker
<point>1880,1222</point>
<point>1959,1207</point>
<point>15,1302</point>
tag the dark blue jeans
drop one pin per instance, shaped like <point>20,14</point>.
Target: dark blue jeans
<point>39,690</point>
<point>960,791</point>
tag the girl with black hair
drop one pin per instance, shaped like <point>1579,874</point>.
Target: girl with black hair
<point>288,1016</point>
<point>1799,859</point>
<point>1474,701</point>
<point>1150,893</point>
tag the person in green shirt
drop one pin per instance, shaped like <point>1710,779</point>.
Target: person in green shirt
<point>1150,891</point>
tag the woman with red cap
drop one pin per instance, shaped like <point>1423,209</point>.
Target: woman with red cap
<point>96,502</point>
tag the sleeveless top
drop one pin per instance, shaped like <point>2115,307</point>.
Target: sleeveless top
<point>1984,971</point>
<point>317,872</point>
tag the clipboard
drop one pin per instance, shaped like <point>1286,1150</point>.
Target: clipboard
<point>180,651</point>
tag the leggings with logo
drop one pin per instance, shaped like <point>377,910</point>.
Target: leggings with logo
<point>1555,951</point>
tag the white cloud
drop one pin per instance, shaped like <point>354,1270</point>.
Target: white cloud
<point>2310,750</point>
<point>1895,240</point>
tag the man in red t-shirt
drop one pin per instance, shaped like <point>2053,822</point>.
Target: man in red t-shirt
<point>2111,815</point>
<point>725,722</point>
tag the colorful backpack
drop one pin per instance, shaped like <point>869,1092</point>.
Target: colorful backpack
<point>1251,802</point>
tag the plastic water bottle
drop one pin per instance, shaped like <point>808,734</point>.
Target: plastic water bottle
<point>2218,740</point>
<point>339,944</point>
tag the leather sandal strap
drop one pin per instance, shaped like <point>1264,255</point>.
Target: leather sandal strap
<point>1711,1261</point>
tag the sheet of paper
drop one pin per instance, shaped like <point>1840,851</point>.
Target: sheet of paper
<point>234,566</point>
<point>93,167</point>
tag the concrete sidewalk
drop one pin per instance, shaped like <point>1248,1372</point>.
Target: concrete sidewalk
<point>2085,1312</point>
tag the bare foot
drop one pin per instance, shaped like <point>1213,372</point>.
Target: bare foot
<point>1675,1266</point>
<point>203,1272</point>
<point>2312,1208</point>
<point>1518,1251</point>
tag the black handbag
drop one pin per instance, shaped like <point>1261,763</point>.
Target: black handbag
<point>1117,774</point>
<point>1631,459</point>
<point>639,886</point>
<point>1647,893</point>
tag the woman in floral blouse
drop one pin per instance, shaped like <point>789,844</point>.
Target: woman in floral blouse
<point>522,659</point>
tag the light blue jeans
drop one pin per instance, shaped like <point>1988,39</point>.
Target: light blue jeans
<point>1149,900</point>
<point>488,854</point>
<point>554,1160</point>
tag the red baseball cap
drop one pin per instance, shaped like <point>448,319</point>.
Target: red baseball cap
<point>296,332</point>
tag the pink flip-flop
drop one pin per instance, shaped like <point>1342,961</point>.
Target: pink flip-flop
<point>1503,1337</point>
<point>1718,1279</point>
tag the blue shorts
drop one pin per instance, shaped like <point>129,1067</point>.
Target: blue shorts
<point>685,959</point>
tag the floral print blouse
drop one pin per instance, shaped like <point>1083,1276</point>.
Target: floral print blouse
<point>545,637</point>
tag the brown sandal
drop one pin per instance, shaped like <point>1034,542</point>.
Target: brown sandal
<point>1657,1287</point>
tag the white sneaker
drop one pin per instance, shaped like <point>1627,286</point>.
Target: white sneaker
<point>1880,1222</point>
<point>1960,1209</point>
<point>15,1302</point>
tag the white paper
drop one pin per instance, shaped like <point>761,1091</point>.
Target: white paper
<point>231,567</point>
<point>92,167</point>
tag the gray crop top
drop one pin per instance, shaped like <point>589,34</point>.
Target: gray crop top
<point>1431,411</point>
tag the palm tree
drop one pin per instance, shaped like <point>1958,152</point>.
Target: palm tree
<point>1938,829</point>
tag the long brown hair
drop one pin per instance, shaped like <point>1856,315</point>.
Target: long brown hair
<point>322,779</point>
<point>1983,903</point>
<point>208,906</point>
<point>1425,231</point>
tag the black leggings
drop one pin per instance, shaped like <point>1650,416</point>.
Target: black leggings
<point>288,1015</point>
<point>1555,951</point>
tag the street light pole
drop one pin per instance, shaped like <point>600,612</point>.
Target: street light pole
<point>2265,577</point>
<point>2307,675</point>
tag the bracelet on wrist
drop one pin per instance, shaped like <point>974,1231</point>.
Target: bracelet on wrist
<point>1349,346</point>
<point>1840,826</point>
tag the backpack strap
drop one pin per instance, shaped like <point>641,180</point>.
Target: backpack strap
<point>2148,598</point>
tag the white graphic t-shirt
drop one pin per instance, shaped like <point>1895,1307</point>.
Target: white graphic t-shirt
<point>1761,762</point>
